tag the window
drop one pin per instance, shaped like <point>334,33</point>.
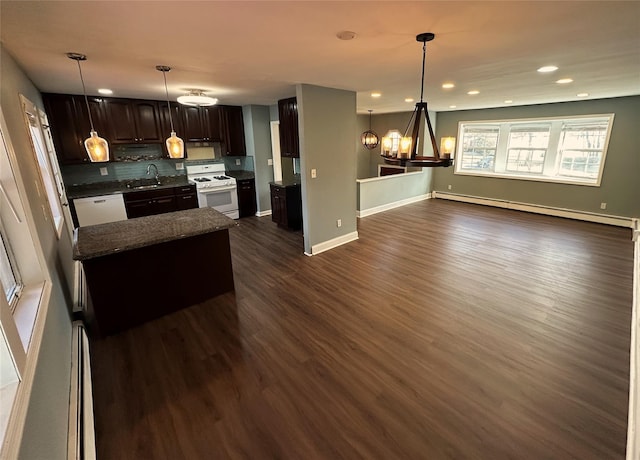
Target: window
<point>567,150</point>
<point>47,171</point>
<point>9,278</point>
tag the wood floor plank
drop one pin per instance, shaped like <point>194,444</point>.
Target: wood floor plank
<point>504,336</point>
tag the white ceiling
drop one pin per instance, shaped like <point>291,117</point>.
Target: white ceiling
<point>255,52</point>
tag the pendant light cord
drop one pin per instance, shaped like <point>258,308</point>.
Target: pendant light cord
<point>164,75</point>
<point>424,52</point>
<point>84,91</point>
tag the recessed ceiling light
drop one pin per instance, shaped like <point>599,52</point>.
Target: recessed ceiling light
<point>582,94</point>
<point>547,69</point>
<point>376,94</point>
<point>448,85</point>
<point>105,91</point>
<point>564,81</point>
<point>346,35</point>
<point>508,101</point>
<point>473,92</point>
<point>409,99</point>
<point>453,106</point>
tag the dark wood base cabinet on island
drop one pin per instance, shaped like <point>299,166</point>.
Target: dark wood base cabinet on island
<point>141,269</point>
<point>286,205</point>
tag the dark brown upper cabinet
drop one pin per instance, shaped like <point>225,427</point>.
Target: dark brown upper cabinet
<point>133,121</point>
<point>200,123</point>
<point>232,131</point>
<point>289,139</point>
<point>70,124</point>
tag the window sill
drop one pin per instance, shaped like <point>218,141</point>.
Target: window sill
<point>564,180</point>
<point>26,312</point>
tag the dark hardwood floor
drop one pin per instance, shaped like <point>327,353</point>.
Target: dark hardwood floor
<point>448,330</point>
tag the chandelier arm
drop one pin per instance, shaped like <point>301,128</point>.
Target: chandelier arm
<point>420,106</point>
<point>86,99</point>
<point>434,145</point>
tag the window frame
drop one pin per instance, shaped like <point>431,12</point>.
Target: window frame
<point>552,156</point>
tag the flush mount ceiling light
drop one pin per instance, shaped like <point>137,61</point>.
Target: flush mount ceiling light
<point>369,138</point>
<point>175,145</point>
<point>96,147</point>
<point>547,69</point>
<point>406,153</point>
<point>196,97</point>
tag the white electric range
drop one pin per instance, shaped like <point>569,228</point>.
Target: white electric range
<point>215,189</point>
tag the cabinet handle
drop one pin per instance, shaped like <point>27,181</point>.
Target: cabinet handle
<point>99,201</point>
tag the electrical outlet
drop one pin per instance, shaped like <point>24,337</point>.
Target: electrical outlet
<point>238,162</point>
<point>314,173</point>
<point>603,205</point>
<point>179,166</point>
<point>270,162</point>
<point>339,223</point>
<point>449,186</point>
<point>104,172</point>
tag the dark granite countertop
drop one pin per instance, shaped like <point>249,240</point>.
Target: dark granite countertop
<point>112,187</point>
<point>241,175</point>
<point>287,182</point>
<point>104,239</point>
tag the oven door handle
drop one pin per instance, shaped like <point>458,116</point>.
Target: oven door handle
<point>216,189</point>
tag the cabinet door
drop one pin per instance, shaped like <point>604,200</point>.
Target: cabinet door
<point>65,130</point>
<point>211,121</point>
<point>147,119</point>
<point>246,197</point>
<point>232,127</point>
<point>122,128</point>
<point>139,208</point>
<point>288,115</point>
<point>278,205</point>
<point>192,123</point>
<point>164,204</point>
<point>189,201</point>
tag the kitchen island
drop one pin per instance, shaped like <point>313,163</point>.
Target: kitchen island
<point>139,269</point>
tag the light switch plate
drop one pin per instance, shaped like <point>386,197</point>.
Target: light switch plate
<point>179,166</point>
<point>104,172</point>
<point>238,162</point>
<point>270,162</point>
<point>314,173</point>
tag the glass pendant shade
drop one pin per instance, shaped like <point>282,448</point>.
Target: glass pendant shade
<point>404,149</point>
<point>447,146</point>
<point>391,143</point>
<point>175,146</point>
<point>97,148</point>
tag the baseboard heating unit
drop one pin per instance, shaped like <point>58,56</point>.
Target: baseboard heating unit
<point>81,436</point>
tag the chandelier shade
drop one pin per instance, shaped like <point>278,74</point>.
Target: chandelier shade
<point>175,145</point>
<point>97,148</point>
<point>196,97</point>
<point>406,153</point>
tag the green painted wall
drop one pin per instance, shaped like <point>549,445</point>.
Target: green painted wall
<point>258,139</point>
<point>45,430</point>
<point>327,126</point>
<point>620,187</point>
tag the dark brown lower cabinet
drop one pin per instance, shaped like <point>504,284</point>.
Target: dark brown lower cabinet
<point>150,202</point>
<point>286,205</point>
<point>247,197</point>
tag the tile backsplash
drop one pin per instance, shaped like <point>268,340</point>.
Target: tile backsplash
<point>118,171</point>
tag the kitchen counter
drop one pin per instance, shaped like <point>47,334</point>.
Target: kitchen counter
<point>111,187</point>
<point>140,269</point>
<point>241,175</point>
<point>103,239</point>
<point>289,182</point>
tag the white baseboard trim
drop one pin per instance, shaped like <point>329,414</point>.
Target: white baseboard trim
<point>618,221</point>
<point>395,204</point>
<point>633,441</point>
<point>330,244</point>
<point>263,213</point>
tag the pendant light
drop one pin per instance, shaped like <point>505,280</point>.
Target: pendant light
<point>175,145</point>
<point>406,153</point>
<point>369,138</point>
<point>97,148</point>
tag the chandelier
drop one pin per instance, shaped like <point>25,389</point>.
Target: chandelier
<point>406,152</point>
<point>369,138</point>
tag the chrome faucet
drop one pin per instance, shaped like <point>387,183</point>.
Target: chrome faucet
<point>156,168</point>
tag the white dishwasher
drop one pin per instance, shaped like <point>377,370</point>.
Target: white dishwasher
<point>100,209</point>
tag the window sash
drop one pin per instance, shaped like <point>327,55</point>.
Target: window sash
<point>573,150</point>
